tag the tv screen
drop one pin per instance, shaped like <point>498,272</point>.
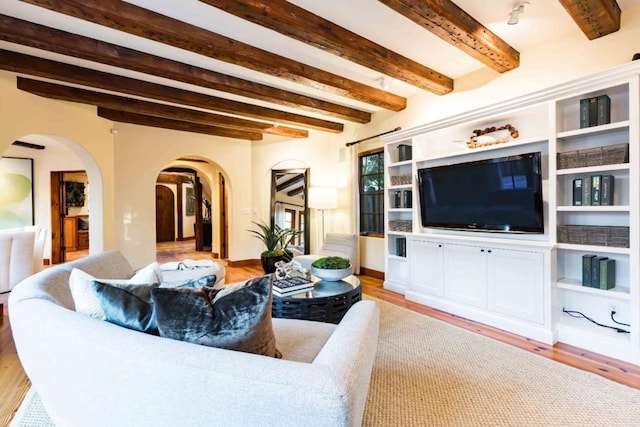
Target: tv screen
<point>498,195</point>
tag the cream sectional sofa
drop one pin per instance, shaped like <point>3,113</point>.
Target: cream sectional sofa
<point>93,373</point>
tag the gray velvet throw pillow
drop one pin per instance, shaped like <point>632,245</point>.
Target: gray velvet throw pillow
<point>131,306</point>
<point>237,317</point>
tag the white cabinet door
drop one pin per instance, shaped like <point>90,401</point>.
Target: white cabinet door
<point>465,274</point>
<point>515,283</point>
<point>426,267</point>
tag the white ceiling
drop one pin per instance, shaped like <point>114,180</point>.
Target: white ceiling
<point>541,21</point>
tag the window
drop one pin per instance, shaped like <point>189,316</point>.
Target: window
<point>371,171</point>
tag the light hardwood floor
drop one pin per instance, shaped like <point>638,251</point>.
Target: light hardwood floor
<point>14,383</point>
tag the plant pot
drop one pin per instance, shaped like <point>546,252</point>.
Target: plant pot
<point>269,263</point>
<point>332,275</point>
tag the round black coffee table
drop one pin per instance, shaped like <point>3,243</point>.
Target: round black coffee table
<point>326,302</point>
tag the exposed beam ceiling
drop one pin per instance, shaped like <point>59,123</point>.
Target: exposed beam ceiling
<point>251,67</point>
<point>452,24</point>
<point>293,21</point>
<point>596,18</point>
<point>26,64</point>
<point>142,22</point>
<point>41,37</point>
<point>131,105</point>
<point>144,120</point>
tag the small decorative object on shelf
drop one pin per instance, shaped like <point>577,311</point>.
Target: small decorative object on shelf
<point>475,142</point>
<point>331,268</point>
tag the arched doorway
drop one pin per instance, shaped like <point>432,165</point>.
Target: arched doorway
<point>201,202</point>
<point>165,214</point>
<point>56,153</point>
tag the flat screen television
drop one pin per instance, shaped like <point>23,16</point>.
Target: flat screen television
<point>495,195</point>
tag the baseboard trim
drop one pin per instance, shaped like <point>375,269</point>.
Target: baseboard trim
<point>372,273</point>
<point>245,263</point>
<point>215,255</point>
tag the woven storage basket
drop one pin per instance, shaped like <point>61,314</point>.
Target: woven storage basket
<point>400,179</point>
<point>595,235</point>
<point>401,225</point>
<point>609,155</point>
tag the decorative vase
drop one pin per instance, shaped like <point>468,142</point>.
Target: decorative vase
<point>332,275</point>
<point>269,263</point>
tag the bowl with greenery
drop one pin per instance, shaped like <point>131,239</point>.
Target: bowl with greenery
<point>331,268</point>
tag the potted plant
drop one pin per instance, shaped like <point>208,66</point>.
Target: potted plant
<point>331,268</point>
<point>275,239</point>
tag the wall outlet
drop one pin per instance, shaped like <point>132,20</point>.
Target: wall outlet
<point>614,308</point>
<point>134,263</point>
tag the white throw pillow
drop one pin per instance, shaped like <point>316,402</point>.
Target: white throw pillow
<point>87,302</point>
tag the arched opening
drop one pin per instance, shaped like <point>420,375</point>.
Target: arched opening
<point>52,154</point>
<point>199,207</point>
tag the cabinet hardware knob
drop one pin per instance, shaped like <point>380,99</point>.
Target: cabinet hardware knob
<point>481,250</point>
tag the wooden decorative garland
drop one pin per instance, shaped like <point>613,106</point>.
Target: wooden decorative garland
<point>474,143</point>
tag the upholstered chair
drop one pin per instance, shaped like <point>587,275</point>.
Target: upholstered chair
<point>335,244</point>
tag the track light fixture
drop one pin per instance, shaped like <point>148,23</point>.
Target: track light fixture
<point>516,11</point>
<point>383,82</point>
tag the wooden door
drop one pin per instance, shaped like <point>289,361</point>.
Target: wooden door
<point>224,224</point>
<point>165,214</point>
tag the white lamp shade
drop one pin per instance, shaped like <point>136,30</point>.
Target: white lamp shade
<point>323,197</point>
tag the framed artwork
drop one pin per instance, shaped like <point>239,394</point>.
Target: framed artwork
<point>16,195</point>
<point>74,193</point>
<point>191,202</point>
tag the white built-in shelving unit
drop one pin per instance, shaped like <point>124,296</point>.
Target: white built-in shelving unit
<point>524,282</point>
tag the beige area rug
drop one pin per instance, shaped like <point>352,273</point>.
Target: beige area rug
<point>430,373</point>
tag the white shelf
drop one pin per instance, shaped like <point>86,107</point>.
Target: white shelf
<point>403,163</point>
<point>400,209</point>
<point>593,130</point>
<point>398,257</point>
<point>592,248</point>
<point>593,169</point>
<point>466,151</point>
<point>575,286</point>
<point>399,187</point>
<point>617,208</point>
<point>400,233</point>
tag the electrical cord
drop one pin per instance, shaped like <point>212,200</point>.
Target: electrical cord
<point>577,314</point>
<point>615,321</point>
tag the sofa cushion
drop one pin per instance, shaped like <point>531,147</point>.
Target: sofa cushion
<point>84,296</point>
<point>131,305</point>
<point>237,317</point>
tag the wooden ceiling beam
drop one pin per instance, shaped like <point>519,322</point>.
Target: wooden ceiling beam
<point>453,25</point>
<point>302,25</point>
<point>596,18</point>
<point>131,105</point>
<point>34,35</point>
<point>26,64</point>
<point>160,122</point>
<point>132,19</point>
<point>291,181</point>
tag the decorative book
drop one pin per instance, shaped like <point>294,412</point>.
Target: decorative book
<point>291,285</point>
